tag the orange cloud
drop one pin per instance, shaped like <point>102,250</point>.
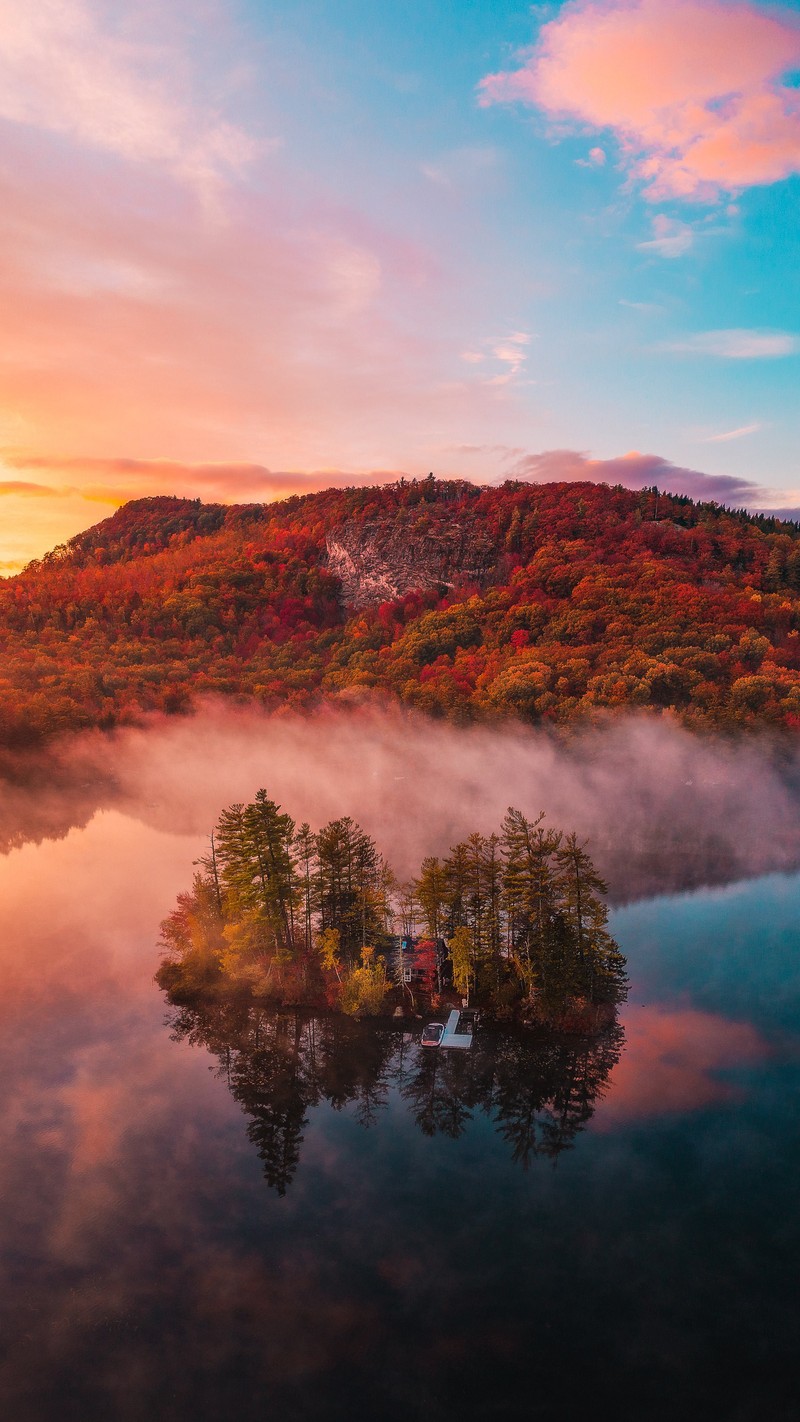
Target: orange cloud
<point>122,479</point>
<point>692,89</point>
<point>23,486</point>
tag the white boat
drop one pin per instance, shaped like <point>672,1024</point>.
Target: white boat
<point>432,1034</point>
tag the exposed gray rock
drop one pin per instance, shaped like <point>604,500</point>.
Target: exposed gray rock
<point>385,558</point>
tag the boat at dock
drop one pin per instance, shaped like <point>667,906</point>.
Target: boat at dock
<point>457,1033</point>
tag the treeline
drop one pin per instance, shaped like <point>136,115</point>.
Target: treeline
<point>524,917</point>
<point>586,599</point>
<point>514,920</point>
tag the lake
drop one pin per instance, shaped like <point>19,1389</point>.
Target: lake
<point>242,1216</point>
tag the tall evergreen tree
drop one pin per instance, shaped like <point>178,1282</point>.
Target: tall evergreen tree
<point>305,849</point>
<point>600,971</point>
<point>531,900</point>
<point>431,892</point>
<point>351,884</point>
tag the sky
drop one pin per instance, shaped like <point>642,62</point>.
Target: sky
<point>250,248</point>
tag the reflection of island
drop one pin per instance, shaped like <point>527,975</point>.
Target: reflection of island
<point>539,1091</point>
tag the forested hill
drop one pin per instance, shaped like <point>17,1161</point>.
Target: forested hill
<point>544,602</point>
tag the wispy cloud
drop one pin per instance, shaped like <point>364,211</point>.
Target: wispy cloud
<point>737,344</point>
<point>671,238</point>
<point>692,89</point>
<point>508,354</point>
<point>502,451</point>
<point>65,69</point>
<point>463,168</point>
<point>646,308</point>
<point>9,487</point>
<point>739,433</point>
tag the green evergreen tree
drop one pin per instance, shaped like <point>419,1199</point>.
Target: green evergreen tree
<point>431,893</point>
<point>351,880</point>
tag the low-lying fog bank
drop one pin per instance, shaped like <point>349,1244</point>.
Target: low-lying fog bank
<point>661,807</point>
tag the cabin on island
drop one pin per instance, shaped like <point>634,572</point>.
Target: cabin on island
<point>407,969</point>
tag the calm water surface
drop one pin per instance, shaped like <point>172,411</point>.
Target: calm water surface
<point>243,1216</point>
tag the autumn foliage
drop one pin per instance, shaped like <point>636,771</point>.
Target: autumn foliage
<point>594,598</point>
<point>294,916</point>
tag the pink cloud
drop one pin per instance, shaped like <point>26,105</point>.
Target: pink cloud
<point>691,89</point>
<point>642,471</point>
<point>63,70</point>
<point>268,341</point>
<point>672,1062</point>
<point>290,333</point>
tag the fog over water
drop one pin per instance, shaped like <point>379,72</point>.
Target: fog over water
<point>659,805</point>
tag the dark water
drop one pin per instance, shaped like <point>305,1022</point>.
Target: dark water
<point>238,1216</point>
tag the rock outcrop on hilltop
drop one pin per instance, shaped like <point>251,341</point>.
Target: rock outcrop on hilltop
<point>385,558</point>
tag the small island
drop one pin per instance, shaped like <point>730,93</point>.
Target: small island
<point>513,923</point>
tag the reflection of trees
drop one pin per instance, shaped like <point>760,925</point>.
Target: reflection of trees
<point>278,1064</point>
<point>440,1093</point>
<point>544,1097</point>
<point>267,1084</point>
<point>538,1091</point>
<point>260,1056</point>
<point>355,1064</point>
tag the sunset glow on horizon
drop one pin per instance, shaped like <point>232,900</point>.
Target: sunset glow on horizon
<point>251,250</point>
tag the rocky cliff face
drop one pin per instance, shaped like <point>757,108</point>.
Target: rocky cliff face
<point>385,558</point>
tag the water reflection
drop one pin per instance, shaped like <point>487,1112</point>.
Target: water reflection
<point>147,1271</point>
<point>537,1091</point>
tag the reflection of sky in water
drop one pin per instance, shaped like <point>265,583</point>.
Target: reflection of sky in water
<point>734,951</point>
<point>148,1270</point>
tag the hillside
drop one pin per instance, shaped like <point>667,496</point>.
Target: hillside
<point>547,602</point>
